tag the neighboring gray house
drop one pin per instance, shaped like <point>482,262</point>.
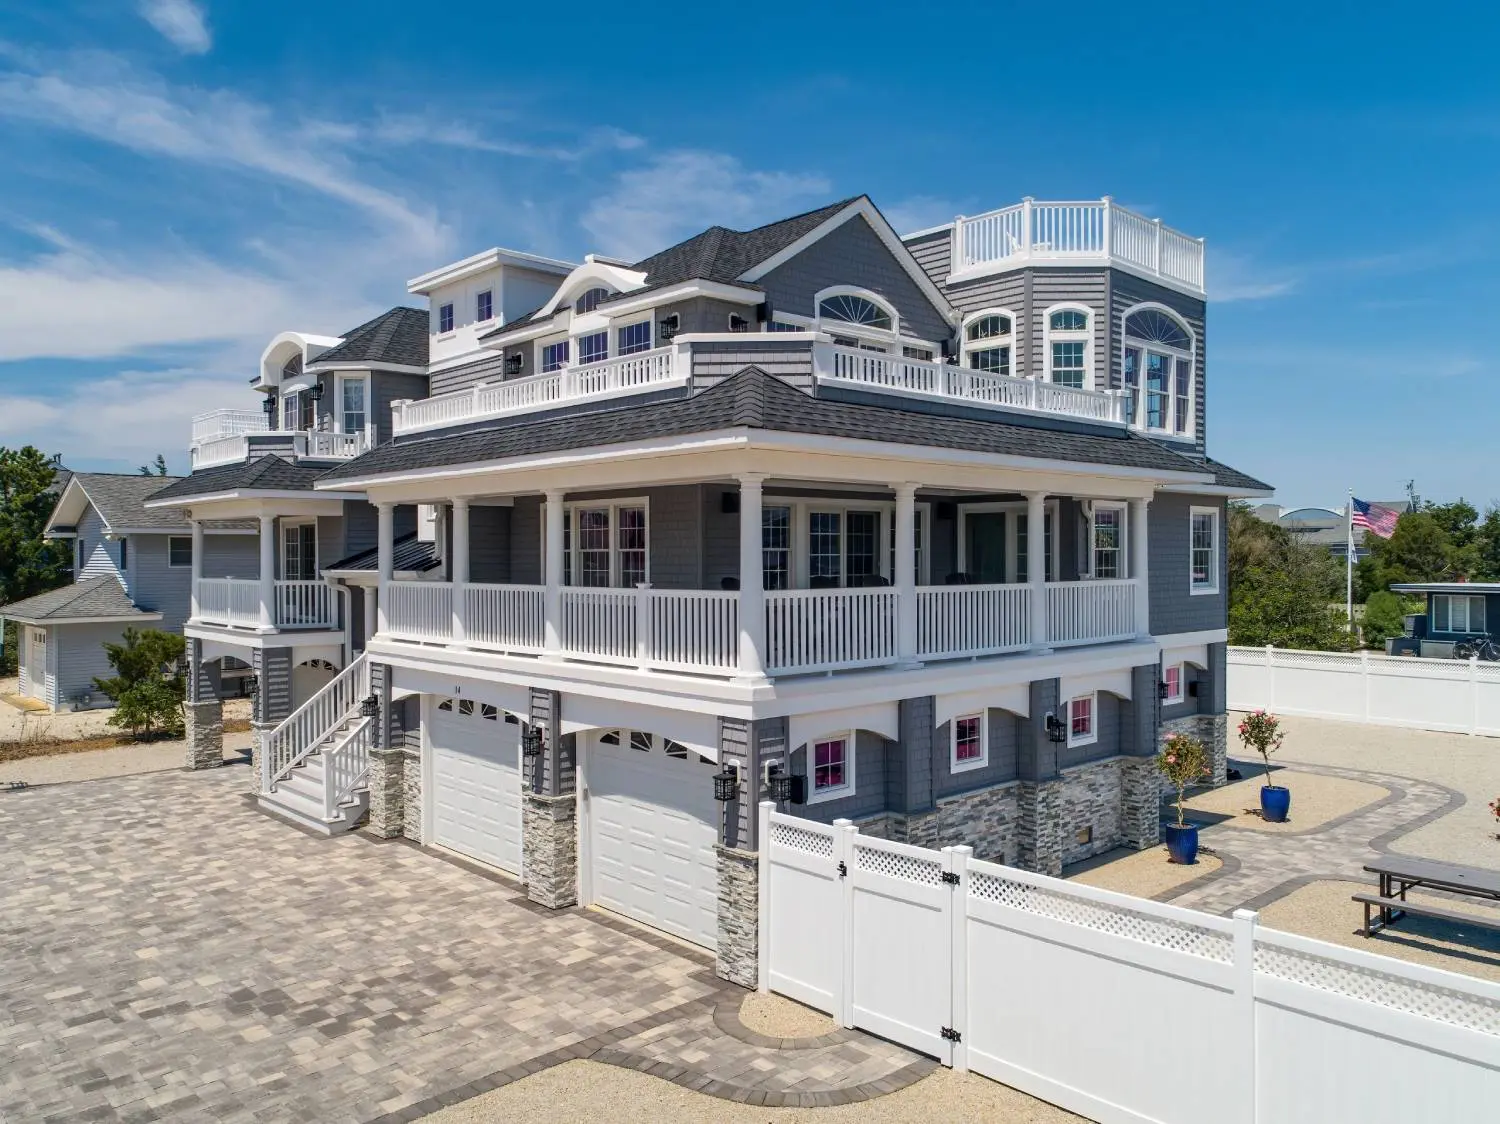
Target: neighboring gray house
<point>131,567</point>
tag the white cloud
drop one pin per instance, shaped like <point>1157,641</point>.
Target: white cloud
<point>680,193</point>
<point>415,129</point>
<point>181,21</point>
<point>918,212</point>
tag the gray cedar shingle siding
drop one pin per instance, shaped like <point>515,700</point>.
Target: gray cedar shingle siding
<point>386,387</point>
<point>853,254</point>
<point>934,253</point>
<point>1002,765</point>
<point>1107,722</point>
<point>871,753</point>
<point>489,369</point>
<point>1174,607</point>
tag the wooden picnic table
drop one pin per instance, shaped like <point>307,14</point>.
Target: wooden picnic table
<point>1398,875</point>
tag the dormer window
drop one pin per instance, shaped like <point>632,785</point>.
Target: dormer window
<point>590,300</point>
<point>1069,347</point>
<point>988,341</point>
<point>484,306</point>
<point>445,318</point>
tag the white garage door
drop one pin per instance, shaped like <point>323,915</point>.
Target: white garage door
<point>476,782</point>
<point>652,817</point>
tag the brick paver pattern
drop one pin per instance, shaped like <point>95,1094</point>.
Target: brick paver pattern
<point>169,953</point>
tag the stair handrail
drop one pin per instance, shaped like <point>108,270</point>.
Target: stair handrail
<point>335,792</point>
<point>301,731</point>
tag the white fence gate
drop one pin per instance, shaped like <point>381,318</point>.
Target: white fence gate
<point>1461,696</point>
<point>1114,1007</point>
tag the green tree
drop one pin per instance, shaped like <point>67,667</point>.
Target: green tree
<point>1419,550</point>
<point>148,685</point>
<point>29,563</point>
<point>1282,591</point>
<point>1487,547</point>
<point>158,467</point>
<point>1384,617</point>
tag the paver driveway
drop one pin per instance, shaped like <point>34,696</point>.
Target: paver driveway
<point>168,952</point>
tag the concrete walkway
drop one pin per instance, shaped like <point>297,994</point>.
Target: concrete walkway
<point>167,952</point>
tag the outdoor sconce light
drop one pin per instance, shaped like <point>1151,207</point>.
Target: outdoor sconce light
<point>315,392</point>
<point>531,741</point>
<point>513,364</point>
<point>369,707</point>
<point>1056,731</point>
<point>726,784</point>
<point>269,405</point>
<point>783,787</point>
<point>1161,690</point>
<point>669,326</point>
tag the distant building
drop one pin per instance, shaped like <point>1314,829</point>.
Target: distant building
<point>1324,526</point>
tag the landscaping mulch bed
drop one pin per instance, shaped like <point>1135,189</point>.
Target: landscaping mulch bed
<point>44,747</point>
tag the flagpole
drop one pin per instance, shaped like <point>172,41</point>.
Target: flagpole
<point>1349,559</point>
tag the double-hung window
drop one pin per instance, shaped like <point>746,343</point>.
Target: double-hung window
<point>179,551</point>
<point>861,555</point>
<point>1068,347</point>
<point>593,348</point>
<point>832,767</point>
<point>968,742</point>
<point>1453,612</point>
<point>824,548</point>
<point>484,306</point>
<point>593,546</point>
<point>1108,541</point>
<point>1171,677</point>
<point>554,356</point>
<point>445,317</point>
<point>776,547</point>
<point>633,337</point>
<point>605,545</point>
<point>1204,550</point>
<point>353,413</point>
<point>988,339</point>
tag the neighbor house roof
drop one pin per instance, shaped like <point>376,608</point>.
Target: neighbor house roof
<point>118,498</point>
<point>755,400</point>
<point>397,337</point>
<point>100,598</point>
<point>407,553</point>
<point>268,473</point>
<point>1447,587</point>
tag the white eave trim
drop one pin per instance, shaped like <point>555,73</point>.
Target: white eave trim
<point>483,261</point>
<point>364,367</point>
<point>1221,490</point>
<point>717,290</point>
<point>51,622</point>
<point>253,494</point>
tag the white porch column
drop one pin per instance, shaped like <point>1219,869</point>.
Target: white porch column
<point>458,566</point>
<point>1140,565</point>
<point>1036,566</point>
<point>267,570</point>
<point>906,573</point>
<point>197,566</point>
<point>553,641</point>
<point>385,546</point>
<point>752,580</point>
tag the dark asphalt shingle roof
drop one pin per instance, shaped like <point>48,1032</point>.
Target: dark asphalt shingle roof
<point>398,336</point>
<point>753,399</point>
<point>407,553</point>
<point>97,597</point>
<point>1227,477</point>
<point>267,473</point>
<point>118,499</point>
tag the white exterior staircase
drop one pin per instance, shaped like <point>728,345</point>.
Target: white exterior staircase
<point>314,767</point>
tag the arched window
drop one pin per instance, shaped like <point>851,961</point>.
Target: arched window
<point>1069,347</point>
<point>293,367</point>
<point>989,340</point>
<point>590,300</point>
<point>850,308</point>
<point>1157,367</point>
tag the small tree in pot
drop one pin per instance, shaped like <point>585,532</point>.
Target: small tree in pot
<point>1261,731</point>
<point>1182,760</point>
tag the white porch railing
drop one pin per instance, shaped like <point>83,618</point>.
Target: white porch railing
<point>600,624</point>
<point>304,604</point>
<point>627,374</point>
<point>1098,230</point>
<point>228,423</point>
<point>313,721</point>
<point>694,630</point>
<point>223,437</point>
<point>954,621</point>
<point>872,370</point>
<point>218,450</point>
<point>318,445</point>
<point>420,611</point>
<point>1090,612</point>
<point>827,629</point>
<point>229,601</point>
<point>346,765</point>
<point>511,618</point>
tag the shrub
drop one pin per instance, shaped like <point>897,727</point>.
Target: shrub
<point>148,685</point>
<point>1182,760</point>
<point>1262,732</point>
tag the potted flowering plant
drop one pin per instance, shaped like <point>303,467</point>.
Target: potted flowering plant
<point>1262,733</point>
<point>1495,807</point>
<point>1182,760</point>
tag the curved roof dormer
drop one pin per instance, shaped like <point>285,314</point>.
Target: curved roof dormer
<point>286,347</point>
<point>594,273</point>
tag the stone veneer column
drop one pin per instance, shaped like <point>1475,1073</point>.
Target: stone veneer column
<point>549,811</point>
<point>1213,705</point>
<point>1041,787</point>
<point>1140,783</point>
<point>387,793</point>
<point>738,956</point>
<point>203,710</point>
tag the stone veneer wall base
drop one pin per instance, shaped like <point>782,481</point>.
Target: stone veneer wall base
<point>1140,802</point>
<point>411,793</point>
<point>987,819</point>
<point>1213,731</point>
<point>1091,809</point>
<point>738,959</point>
<point>205,734</point>
<point>1042,826</point>
<point>387,792</point>
<point>549,830</point>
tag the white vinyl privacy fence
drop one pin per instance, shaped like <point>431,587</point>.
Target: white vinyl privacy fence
<point>1113,1007</point>
<point>1462,696</point>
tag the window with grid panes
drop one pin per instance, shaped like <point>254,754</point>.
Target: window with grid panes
<point>776,547</point>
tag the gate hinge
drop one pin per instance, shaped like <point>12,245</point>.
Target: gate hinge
<point>843,871</point>
<point>950,878</point>
<point>951,1035</point>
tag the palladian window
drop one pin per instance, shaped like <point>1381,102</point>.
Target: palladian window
<point>988,342</point>
<point>1157,367</point>
<point>850,308</point>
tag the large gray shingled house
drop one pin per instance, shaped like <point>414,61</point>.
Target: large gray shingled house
<point>919,531</point>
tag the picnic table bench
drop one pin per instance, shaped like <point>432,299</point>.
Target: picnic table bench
<point>1398,875</point>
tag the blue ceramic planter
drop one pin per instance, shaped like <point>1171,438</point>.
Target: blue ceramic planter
<point>1275,802</point>
<point>1182,843</point>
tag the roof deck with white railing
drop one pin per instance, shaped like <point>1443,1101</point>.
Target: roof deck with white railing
<point>229,436</point>
<point>1094,232</point>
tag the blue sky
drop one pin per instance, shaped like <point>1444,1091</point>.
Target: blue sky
<point>184,178</point>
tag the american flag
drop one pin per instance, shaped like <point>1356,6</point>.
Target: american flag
<point>1374,518</point>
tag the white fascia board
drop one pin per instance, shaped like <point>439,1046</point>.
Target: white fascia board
<point>948,226</point>
<point>1223,490</point>
<point>253,496</point>
<point>545,327</point>
<point>717,290</point>
<point>862,207</point>
<point>482,261</point>
<point>245,638</point>
<point>69,508</point>
<point>1194,639</point>
<point>53,622</point>
<point>284,344</point>
<point>363,368</point>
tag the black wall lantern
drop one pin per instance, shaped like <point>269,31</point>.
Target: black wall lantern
<point>315,392</point>
<point>1161,690</point>
<point>669,326</point>
<point>531,741</point>
<point>1056,731</point>
<point>726,784</point>
<point>783,787</point>
<point>269,405</point>
<point>369,707</point>
<point>513,363</point>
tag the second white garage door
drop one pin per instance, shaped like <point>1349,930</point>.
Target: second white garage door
<point>476,782</point>
<point>652,818</point>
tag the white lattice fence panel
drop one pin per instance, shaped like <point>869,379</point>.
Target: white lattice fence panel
<point>900,865</point>
<point>802,837</point>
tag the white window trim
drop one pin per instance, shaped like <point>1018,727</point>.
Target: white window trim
<point>452,307</point>
<point>893,334</point>
<point>1093,735</point>
<point>1213,585</point>
<point>954,764</point>
<point>1009,507</point>
<point>543,342</point>
<point>1468,629</point>
<point>615,327</point>
<point>966,346</point>
<point>286,523</point>
<point>1086,335</point>
<point>338,390</point>
<point>1191,355</point>
<point>1181,683</point>
<point>575,556</point>
<point>842,791</point>
<point>1087,571</point>
<point>188,565</point>
<point>803,507</point>
<point>479,293</point>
